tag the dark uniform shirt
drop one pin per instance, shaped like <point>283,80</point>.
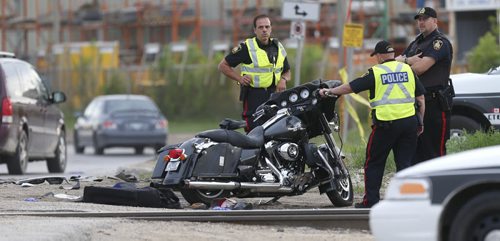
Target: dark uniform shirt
<point>438,47</point>
<point>367,82</point>
<point>240,54</point>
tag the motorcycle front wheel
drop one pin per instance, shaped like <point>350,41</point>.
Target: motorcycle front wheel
<point>343,195</point>
<point>203,196</point>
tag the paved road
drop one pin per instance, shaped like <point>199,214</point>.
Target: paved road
<point>88,164</point>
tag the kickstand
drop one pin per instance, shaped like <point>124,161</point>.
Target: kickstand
<point>272,201</point>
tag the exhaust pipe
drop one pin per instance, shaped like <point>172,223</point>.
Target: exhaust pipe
<point>254,187</point>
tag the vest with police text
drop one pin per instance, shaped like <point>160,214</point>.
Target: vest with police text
<point>394,91</point>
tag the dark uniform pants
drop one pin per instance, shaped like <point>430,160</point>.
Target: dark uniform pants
<point>432,142</point>
<point>400,136</point>
<point>253,98</point>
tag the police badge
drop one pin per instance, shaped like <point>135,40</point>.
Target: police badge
<point>437,44</point>
<point>236,49</point>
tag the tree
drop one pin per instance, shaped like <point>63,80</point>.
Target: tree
<point>486,54</point>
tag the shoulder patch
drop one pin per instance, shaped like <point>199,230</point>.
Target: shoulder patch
<point>437,44</point>
<point>236,49</point>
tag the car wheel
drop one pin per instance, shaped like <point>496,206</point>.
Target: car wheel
<point>98,150</point>
<point>58,163</point>
<point>78,149</point>
<point>478,219</point>
<point>459,123</point>
<point>139,150</point>
<point>18,163</point>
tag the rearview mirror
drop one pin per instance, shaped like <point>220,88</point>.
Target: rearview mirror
<point>58,97</point>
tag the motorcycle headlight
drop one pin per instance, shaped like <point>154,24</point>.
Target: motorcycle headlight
<point>408,189</point>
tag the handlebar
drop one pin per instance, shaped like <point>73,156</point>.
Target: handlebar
<point>263,111</point>
<point>328,94</point>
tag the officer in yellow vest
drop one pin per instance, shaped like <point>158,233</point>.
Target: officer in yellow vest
<point>264,68</point>
<point>393,92</point>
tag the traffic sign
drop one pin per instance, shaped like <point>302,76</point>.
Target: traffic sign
<point>353,35</point>
<point>300,11</point>
<point>298,29</point>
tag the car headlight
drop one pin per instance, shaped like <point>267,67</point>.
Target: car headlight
<point>408,189</point>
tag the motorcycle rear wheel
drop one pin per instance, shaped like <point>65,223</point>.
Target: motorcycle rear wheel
<point>203,196</point>
<point>343,196</point>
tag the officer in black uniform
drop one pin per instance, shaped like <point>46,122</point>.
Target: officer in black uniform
<point>395,125</point>
<point>251,94</point>
<point>430,56</point>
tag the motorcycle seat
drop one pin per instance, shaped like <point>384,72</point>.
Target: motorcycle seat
<point>254,139</point>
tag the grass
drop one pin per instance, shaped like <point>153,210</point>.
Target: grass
<point>356,152</point>
<point>190,126</point>
<point>473,140</point>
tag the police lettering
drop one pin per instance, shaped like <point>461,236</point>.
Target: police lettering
<point>394,78</point>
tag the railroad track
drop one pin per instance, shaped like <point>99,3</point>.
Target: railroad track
<point>318,218</point>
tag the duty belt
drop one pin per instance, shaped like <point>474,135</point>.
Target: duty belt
<point>431,95</point>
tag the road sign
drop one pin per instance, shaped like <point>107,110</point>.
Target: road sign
<point>300,11</point>
<point>297,29</point>
<point>353,35</point>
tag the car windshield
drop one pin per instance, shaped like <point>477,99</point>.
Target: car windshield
<point>132,105</point>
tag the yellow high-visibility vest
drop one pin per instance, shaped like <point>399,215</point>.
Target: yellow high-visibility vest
<point>261,69</point>
<point>394,91</point>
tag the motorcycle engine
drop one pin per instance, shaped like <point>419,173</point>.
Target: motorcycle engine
<point>288,155</point>
<point>288,151</point>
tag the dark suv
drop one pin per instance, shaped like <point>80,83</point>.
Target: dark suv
<point>31,125</point>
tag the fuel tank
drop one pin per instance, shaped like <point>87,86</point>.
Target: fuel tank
<point>288,128</point>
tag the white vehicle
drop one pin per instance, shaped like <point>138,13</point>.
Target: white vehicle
<point>476,105</point>
<point>451,198</point>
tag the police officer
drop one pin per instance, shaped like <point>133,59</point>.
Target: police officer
<point>430,56</point>
<point>264,69</point>
<point>393,89</point>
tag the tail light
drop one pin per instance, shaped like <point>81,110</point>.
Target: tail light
<point>6,110</point>
<point>174,154</point>
<point>162,124</point>
<point>109,125</point>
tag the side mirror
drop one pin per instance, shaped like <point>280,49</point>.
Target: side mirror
<point>58,97</point>
<point>78,114</point>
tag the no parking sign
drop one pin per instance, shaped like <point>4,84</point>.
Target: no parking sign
<point>298,29</point>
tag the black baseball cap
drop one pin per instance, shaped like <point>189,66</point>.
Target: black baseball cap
<point>427,11</point>
<point>382,47</point>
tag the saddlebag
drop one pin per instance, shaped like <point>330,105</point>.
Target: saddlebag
<point>220,160</point>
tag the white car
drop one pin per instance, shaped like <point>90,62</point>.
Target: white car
<point>451,198</point>
<point>476,105</point>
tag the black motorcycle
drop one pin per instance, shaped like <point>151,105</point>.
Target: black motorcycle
<point>275,159</point>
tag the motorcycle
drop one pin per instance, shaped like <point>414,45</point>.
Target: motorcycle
<point>275,159</point>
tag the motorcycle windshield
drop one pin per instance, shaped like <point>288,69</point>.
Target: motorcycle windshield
<point>304,102</point>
